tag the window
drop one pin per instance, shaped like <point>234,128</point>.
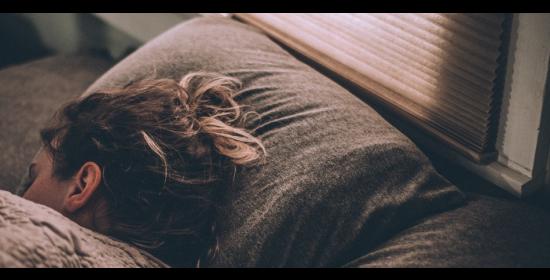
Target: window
<point>442,72</point>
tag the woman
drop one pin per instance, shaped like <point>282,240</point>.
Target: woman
<point>147,163</point>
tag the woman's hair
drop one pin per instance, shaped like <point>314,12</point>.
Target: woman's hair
<point>167,149</point>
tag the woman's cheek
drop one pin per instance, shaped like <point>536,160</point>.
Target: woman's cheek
<point>45,193</point>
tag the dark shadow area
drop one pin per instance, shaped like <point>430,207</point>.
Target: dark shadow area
<point>20,41</point>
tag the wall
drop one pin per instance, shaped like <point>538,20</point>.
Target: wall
<point>524,91</point>
<point>71,32</point>
<point>144,26</point>
<point>116,33</point>
<point>522,140</point>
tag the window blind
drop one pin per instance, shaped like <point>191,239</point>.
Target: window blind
<point>443,72</point>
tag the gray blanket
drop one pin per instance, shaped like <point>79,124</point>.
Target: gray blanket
<point>486,232</point>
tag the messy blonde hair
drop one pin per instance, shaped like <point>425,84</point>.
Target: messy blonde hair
<point>168,151</point>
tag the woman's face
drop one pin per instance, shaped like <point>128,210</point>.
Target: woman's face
<point>68,197</point>
<point>44,187</point>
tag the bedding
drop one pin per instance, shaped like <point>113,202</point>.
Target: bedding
<point>486,232</point>
<point>33,235</point>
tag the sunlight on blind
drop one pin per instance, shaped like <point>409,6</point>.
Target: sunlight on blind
<point>437,70</point>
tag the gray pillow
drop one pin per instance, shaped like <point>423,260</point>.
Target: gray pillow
<point>33,235</point>
<point>338,179</point>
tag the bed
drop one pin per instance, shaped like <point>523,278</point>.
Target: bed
<point>341,187</point>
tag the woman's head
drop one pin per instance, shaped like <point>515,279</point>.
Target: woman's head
<point>147,163</point>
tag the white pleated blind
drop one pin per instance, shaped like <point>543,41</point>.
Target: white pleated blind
<point>440,71</point>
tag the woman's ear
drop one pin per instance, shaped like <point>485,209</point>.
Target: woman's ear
<point>82,188</point>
